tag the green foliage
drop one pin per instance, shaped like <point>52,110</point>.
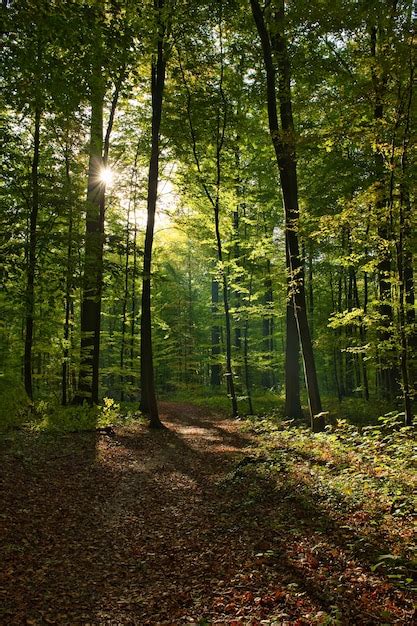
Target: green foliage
<point>48,417</point>
<point>15,406</point>
<point>371,469</point>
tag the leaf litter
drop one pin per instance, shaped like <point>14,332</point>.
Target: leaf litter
<point>174,527</point>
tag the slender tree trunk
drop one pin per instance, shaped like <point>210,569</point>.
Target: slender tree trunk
<point>148,404</point>
<point>133,301</point>
<point>284,147</point>
<point>310,290</point>
<point>237,342</point>
<point>124,306</point>
<point>215,369</point>
<point>31,259</point>
<point>229,370</point>
<point>246,350</point>
<point>68,286</point>
<point>268,377</point>
<point>408,411</point>
<point>362,335</point>
<point>190,343</point>
<point>221,129</point>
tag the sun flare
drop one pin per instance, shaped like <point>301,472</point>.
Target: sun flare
<point>106,176</point>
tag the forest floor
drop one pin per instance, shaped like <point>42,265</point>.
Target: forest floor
<point>178,526</point>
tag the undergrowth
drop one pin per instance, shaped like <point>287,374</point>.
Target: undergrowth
<point>356,473</point>
<point>49,417</point>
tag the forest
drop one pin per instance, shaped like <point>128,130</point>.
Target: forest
<point>208,333</point>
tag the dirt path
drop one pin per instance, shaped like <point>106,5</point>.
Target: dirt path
<point>148,527</point>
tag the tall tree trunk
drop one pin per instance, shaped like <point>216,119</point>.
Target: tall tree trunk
<point>221,129</point>
<point>133,301</point>
<point>310,290</point>
<point>229,371</point>
<point>284,147</point>
<point>69,277</point>
<point>362,335</point>
<point>93,260</point>
<point>246,349</point>
<point>148,403</point>
<point>237,341</point>
<point>132,200</point>
<point>124,305</point>
<point>215,368</point>
<point>268,375</point>
<point>88,382</point>
<point>31,258</point>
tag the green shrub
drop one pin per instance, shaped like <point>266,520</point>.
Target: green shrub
<point>15,405</point>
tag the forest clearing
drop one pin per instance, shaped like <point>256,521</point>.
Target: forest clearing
<point>208,332</point>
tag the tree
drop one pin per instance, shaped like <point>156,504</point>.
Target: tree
<point>148,402</point>
<point>273,41</point>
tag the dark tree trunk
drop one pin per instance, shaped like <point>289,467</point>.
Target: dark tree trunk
<point>148,403</point>
<point>229,371</point>
<point>31,258</point>
<point>268,377</point>
<point>69,277</point>
<point>246,350</point>
<point>133,301</point>
<point>310,290</point>
<point>88,382</point>
<point>221,129</point>
<point>286,159</point>
<point>93,260</point>
<point>215,369</point>
<point>237,340</point>
<point>124,305</point>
